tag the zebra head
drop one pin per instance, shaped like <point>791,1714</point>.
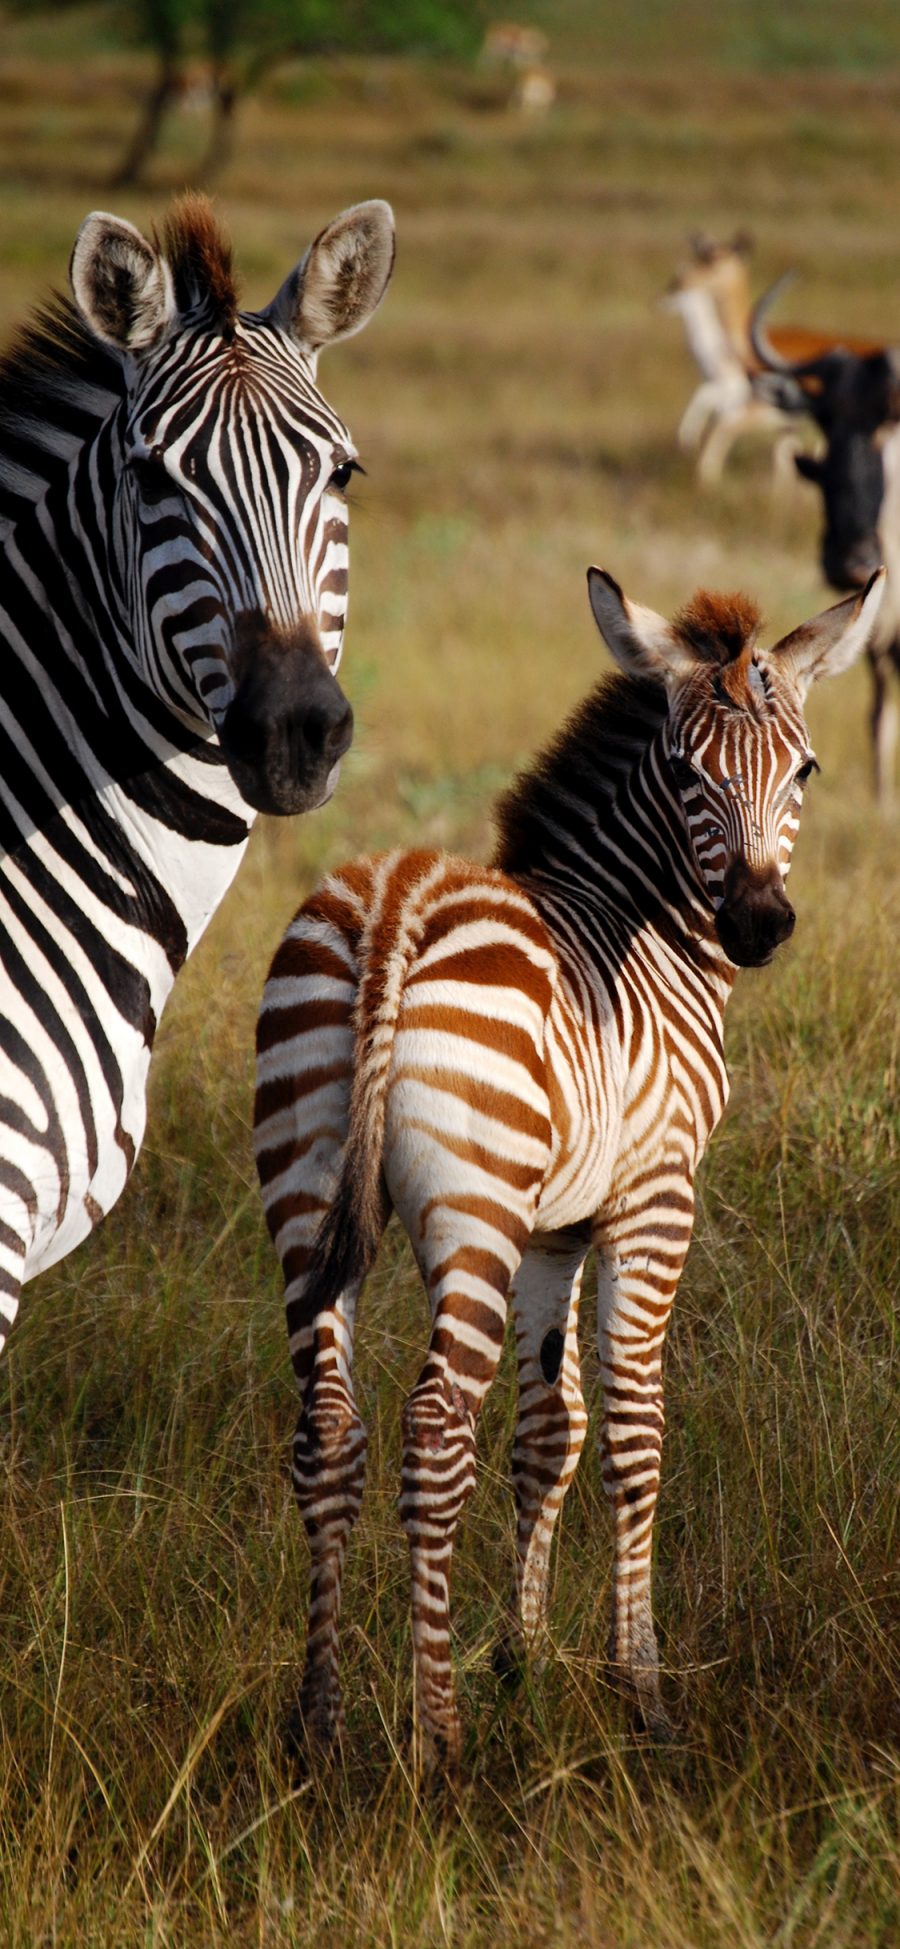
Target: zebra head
<point>220,480</point>
<point>733,754</point>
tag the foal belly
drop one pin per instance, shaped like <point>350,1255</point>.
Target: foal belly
<point>577,1185</point>
<point>584,1087</point>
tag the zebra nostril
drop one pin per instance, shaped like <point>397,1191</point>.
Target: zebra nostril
<point>327,730</point>
<point>340,734</point>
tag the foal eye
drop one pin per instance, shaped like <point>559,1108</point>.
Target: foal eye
<point>806,771</point>
<point>682,771</point>
<point>341,475</point>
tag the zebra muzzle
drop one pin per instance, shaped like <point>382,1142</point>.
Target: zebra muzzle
<point>288,724</point>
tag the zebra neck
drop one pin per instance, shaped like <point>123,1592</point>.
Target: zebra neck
<point>109,779</point>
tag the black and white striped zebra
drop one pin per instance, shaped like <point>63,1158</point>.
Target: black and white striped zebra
<point>174,588</point>
<point>523,1060</point>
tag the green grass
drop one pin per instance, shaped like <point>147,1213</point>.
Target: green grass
<point>515,404</point>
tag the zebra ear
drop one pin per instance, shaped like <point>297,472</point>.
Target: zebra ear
<point>832,641</point>
<point>642,643</point>
<point>335,288</point>
<point>121,285</point>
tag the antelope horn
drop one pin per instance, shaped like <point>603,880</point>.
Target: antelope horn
<point>762,346</point>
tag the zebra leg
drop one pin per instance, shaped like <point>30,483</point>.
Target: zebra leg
<point>552,1422</point>
<point>637,1278</point>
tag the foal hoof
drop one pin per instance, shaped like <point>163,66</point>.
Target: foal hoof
<point>508,1663</point>
<point>644,1705</point>
<point>312,1736</point>
<point>654,1723</point>
<point>437,1757</point>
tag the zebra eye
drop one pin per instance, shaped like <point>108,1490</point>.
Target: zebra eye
<point>806,771</point>
<point>340,478</point>
<point>154,483</point>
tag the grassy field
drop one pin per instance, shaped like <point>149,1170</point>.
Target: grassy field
<point>515,405</point>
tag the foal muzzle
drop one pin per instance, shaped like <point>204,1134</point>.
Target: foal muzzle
<point>755,915</point>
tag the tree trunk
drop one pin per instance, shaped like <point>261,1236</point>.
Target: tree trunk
<point>224,113</point>
<point>146,135</point>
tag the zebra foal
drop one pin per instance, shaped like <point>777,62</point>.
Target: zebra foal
<point>523,1060</point>
<point>174,574</point>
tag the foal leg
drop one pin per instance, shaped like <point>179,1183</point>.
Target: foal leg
<point>467,1141</point>
<point>552,1420</point>
<point>305,1058</point>
<point>439,1423</point>
<point>328,1473</point>
<point>639,1264</point>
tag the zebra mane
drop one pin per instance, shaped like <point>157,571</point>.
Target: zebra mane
<point>199,258</point>
<point>58,383</point>
<point>584,766</point>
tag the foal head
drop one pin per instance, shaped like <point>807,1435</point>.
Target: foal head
<point>734,754</point>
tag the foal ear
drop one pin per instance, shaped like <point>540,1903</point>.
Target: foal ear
<point>121,284</point>
<point>642,643</point>
<point>832,641</point>
<point>335,288</point>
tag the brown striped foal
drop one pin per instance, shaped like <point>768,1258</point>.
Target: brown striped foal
<point>523,1060</point>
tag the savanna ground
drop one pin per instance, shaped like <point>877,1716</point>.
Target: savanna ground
<point>515,404</point>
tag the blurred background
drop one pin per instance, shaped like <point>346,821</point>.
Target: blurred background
<point>517,400</point>
<point>516,404</point>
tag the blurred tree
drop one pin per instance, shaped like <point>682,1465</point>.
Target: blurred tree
<point>161,25</point>
<point>238,41</point>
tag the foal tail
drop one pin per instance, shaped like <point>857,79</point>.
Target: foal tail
<point>348,1238</point>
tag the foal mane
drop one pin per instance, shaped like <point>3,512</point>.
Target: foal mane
<point>581,771</point>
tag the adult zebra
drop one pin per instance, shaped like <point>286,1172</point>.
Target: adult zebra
<point>174,584</point>
<point>523,1060</point>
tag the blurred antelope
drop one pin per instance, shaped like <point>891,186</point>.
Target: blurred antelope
<point>711,295</point>
<point>516,45</point>
<point>510,45</point>
<point>740,392</point>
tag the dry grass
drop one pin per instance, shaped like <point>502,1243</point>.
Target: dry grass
<point>515,404</point>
